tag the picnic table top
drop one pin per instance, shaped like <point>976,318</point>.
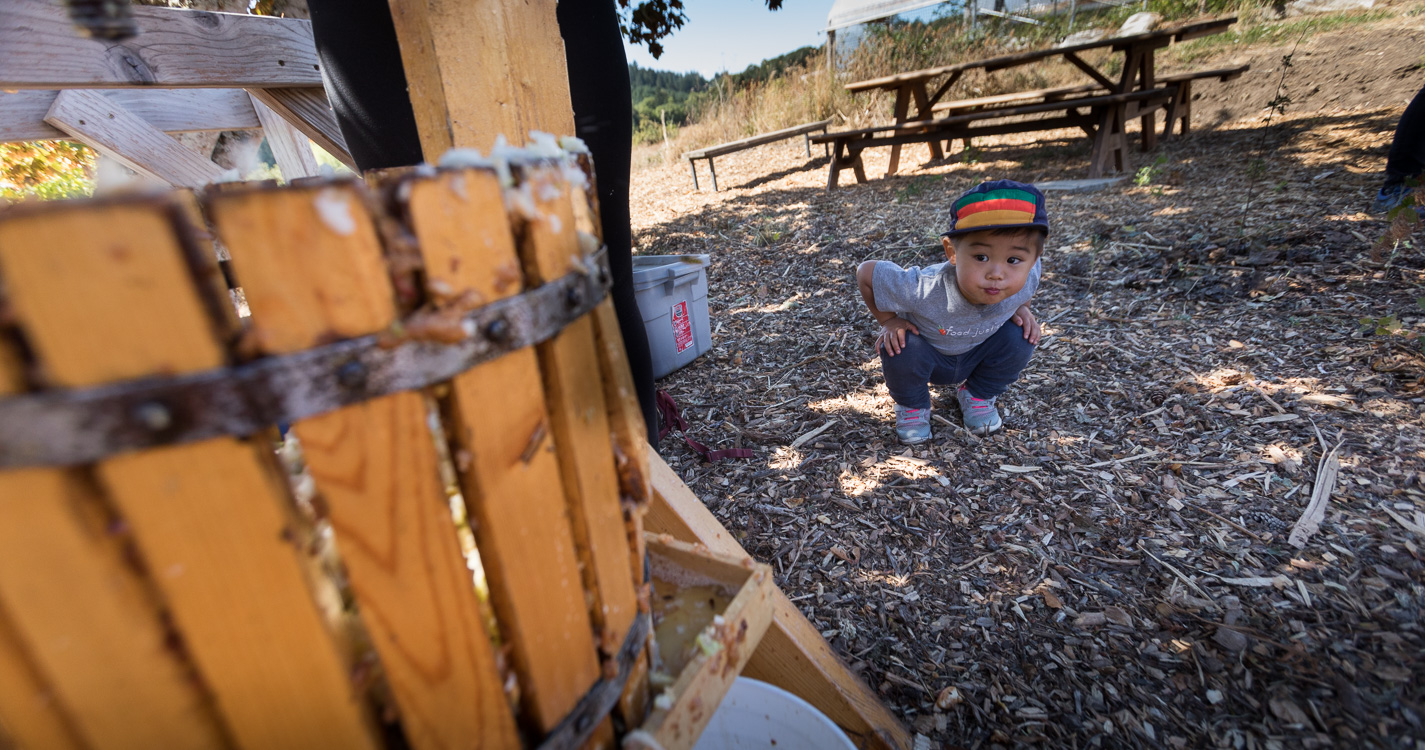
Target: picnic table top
<point>1177,33</point>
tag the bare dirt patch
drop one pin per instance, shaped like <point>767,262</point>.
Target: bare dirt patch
<point>1113,569</point>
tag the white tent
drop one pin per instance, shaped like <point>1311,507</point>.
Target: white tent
<point>851,12</point>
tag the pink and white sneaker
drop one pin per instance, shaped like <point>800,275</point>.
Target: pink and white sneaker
<point>979,414</point>
<point>912,425</point>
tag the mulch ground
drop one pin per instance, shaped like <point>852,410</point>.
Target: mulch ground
<point>1114,568</point>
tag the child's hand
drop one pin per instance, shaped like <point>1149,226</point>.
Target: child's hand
<point>1024,318</point>
<point>892,335</point>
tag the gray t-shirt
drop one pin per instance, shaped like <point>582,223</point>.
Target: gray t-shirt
<point>930,298</point>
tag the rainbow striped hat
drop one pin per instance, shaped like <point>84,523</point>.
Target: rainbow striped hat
<point>998,204</point>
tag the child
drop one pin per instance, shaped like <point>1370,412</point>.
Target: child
<point>967,319</point>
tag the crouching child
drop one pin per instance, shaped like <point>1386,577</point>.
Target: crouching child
<point>966,320</point>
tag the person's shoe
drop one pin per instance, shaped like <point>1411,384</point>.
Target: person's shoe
<point>979,414</point>
<point>912,425</point>
<point>1388,198</point>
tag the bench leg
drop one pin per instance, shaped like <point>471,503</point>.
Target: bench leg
<point>902,107</point>
<point>1108,142</point>
<point>713,172</point>
<point>1149,122</point>
<point>826,147</point>
<point>807,136</point>
<point>694,166</point>
<point>1186,122</point>
<point>859,168</point>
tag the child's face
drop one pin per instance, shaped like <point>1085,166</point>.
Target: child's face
<point>991,268</point>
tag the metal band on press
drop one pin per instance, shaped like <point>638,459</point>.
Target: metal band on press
<point>78,426</point>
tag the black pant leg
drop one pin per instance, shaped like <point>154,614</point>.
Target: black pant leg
<point>366,82</point>
<point>603,117</point>
<point>1407,152</point>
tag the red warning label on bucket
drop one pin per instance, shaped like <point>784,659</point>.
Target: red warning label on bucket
<point>682,327</point>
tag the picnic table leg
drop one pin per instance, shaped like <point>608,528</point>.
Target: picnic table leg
<point>1108,141</point>
<point>922,112</point>
<point>807,136</point>
<point>713,172</point>
<point>858,167</point>
<point>834,167</point>
<point>902,105</point>
<point>694,166</point>
<point>1149,123</point>
<point>826,147</point>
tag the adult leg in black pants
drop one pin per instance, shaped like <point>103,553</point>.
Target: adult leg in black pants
<point>1406,160</point>
<point>361,67</point>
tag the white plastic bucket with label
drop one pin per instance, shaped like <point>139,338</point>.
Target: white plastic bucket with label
<point>755,714</point>
<point>672,293</point>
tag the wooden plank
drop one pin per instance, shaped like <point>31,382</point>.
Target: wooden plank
<point>85,615</point>
<point>792,655</point>
<point>290,147</point>
<point>579,413</point>
<point>30,714</point>
<point>510,478</point>
<point>308,110</point>
<point>101,123</point>
<point>176,49</point>
<point>706,679</point>
<point>310,262</point>
<point>757,140</point>
<point>210,518</point>
<point>483,68</point>
<point>22,113</point>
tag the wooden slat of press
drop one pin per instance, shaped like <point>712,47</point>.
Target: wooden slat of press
<point>511,482</point>
<point>83,614</point>
<point>574,388</point>
<point>310,262</point>
<point>30,714</point>
<point>209,517</point>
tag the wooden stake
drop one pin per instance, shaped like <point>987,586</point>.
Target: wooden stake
<point>508,470</point>
<point>311,263</point>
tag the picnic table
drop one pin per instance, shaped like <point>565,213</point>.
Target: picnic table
<point>1135,93</point>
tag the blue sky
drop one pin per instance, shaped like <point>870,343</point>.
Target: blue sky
<point>732,34</point>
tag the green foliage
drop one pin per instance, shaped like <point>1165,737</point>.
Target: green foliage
<point>1145,174</point>
<point>1385,325</point>
<point>660,95</point>
<point>45,169</point>
<point>773,67</point>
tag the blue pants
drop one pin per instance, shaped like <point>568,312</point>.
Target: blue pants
<point>988,369</point>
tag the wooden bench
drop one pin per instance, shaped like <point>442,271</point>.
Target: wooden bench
<point>1018,97</point>
<point>1180,108</point>
<point>1101,117</point>
<point>757,140</point>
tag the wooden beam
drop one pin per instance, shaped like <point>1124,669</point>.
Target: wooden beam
<point>101,123</point>
<point>792,655</point>
<point>289,145</point>
<point>22,113</point>
<point>308,110</point>
<point>175,48</point>
<point>483,68</point>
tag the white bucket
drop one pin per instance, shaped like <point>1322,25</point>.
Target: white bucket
<point>758,715</point>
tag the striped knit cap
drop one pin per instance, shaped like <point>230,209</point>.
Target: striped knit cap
<point>998,204</point>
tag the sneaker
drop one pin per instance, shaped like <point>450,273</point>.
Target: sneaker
<point>979,414</point>
<point>912,425</point>
<point>1388,198</point>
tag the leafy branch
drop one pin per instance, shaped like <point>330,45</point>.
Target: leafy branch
<point>651,20</point>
